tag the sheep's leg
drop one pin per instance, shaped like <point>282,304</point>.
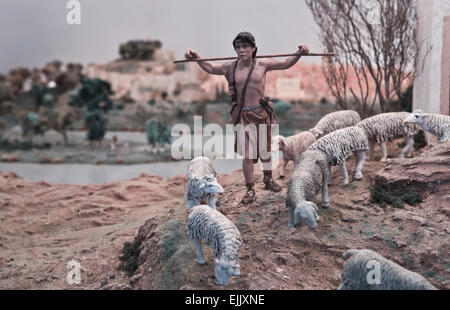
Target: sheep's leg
<point>212,202</point>
<point>325,199</point>
<point>283,171</point>
<point>191,204</point>
<point>236,270</point>
<point>330,180</point>
<point>344,173</point>
<point>371,146</point>
<point>408,147</point>
<point>291,214</point>
<point>384,150</point>
<point>198,249</point>
<point>361,157</point>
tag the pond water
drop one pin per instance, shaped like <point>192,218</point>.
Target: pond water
<point>92,174</point>
<point>98,174</point>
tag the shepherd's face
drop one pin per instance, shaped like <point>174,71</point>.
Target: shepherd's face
<point>244,50</point>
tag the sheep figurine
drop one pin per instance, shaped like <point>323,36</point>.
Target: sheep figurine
<point>334,121</point>
<point>223,237</point>
<point>381,127</point>
<point>310,175</point>
<point>340,144</point>
<point>436,124</point>
<point>201,184</point>
<point>391,276</point>
<point>292,147</point>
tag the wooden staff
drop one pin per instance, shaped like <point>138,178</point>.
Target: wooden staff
<point>261,56</point>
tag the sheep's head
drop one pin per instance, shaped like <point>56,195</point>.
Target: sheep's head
<point>417,117</point>
<point>280,141</point>
<point>209,184</point>
<point>316,132</point>
<point>307,213</point>
<point>224,270</point>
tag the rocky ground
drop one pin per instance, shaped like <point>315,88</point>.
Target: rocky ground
<point>43,226</point>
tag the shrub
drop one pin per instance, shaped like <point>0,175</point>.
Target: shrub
<point>381,194</point>
<point>129,257</point>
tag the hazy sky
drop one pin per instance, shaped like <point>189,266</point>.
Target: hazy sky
<point>33,32</point>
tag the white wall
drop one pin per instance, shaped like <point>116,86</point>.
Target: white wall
<point>427,86</point>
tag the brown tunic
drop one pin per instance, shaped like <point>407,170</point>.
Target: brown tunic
<point>256,117</point>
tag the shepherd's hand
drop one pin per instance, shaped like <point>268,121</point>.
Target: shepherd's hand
<point>303,49</point>
<point>190,54</point>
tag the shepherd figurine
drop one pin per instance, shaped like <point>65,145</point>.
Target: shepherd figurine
<point>246,78</point>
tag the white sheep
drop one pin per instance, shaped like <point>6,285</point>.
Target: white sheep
<point>340,144</point>
<point>334,121</point>
<point>436,124</point>
<point>201,183</point>
<point>381,127</point>
<point>292,147</point>
<point>368,270</point>
<point>310,175</point>
<point>223,237</point>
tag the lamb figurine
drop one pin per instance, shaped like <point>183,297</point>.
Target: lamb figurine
<point>223,237</point>
<point>310,175</point>
<point>381,127</point>
<point>334,121</point>
<point>436,124</point>
<point>292,147</point>
<point>391,276</point>
<point>201,183</point>
<point>340,144</point>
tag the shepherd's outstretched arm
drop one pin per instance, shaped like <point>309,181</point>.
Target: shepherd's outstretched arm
<point>218,69</point>
<point>272,64</point>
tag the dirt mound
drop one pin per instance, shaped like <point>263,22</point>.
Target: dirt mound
<point>425,173</point>
<point>44,225</point>
<point>277,257</point>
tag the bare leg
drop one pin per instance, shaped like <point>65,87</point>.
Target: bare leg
<point>344,173</point>
<point>198,249</point>
<point>408,147</point>
<point>248,167</point>
<point>361,157</point>
<point>384,149</point>
<point>325,199</point>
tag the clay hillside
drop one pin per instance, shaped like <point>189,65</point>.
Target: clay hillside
<point>43,226</point>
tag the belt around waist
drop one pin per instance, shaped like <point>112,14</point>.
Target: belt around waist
<point>251,108</point>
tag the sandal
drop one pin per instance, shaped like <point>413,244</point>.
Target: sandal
<point>271,185</point>
<point>250,196</point>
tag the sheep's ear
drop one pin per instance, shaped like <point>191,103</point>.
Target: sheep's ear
<point>202,185</point>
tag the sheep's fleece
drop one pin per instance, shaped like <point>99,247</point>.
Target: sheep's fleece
<point>381,127</point>
<point>217,230</point>
<point>391,275</point>
<point>334,121</point>
<point>340,144</point>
